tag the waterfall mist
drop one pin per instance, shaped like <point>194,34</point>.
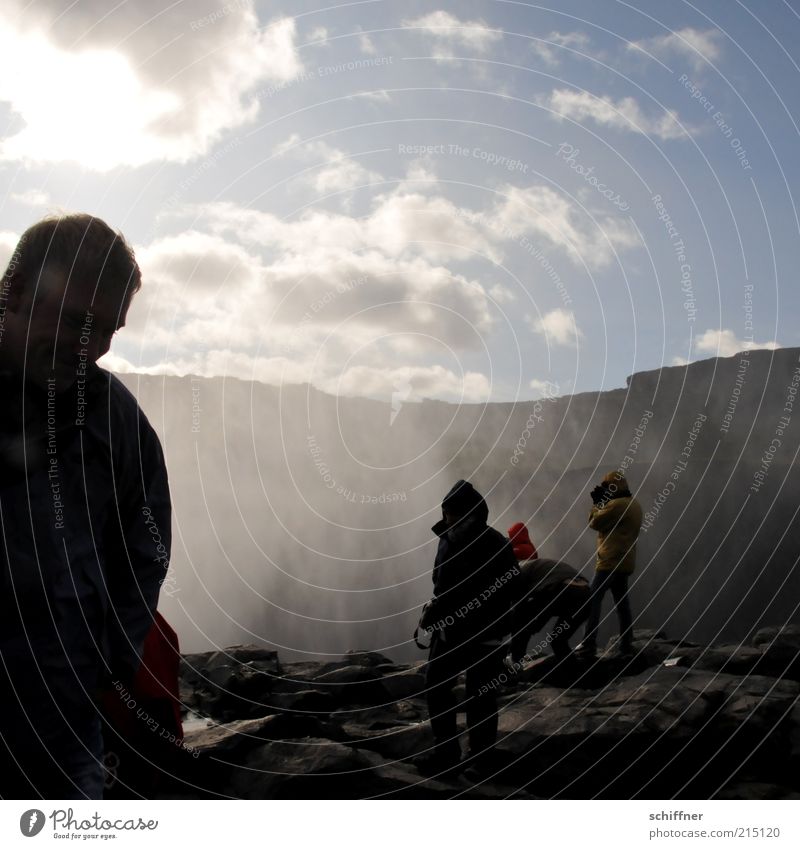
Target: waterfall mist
<point>302,521</point>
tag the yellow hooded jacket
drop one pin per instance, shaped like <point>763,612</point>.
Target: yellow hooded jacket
<point>617,523</point>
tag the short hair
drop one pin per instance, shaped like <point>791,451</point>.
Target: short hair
<point>79,244</point>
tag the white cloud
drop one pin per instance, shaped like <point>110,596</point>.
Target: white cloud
<point>402,223</point>
<point>32,197</point>
<point>320,35</point>
<point>325,280</point>
<point>699,47</point>
<point>624,114</point>
<point>8,241</point>
<point>557,326</point>
<point>544,212</point>
<point>351,300</point>
<point>575,40</point>
<point>545,388</point>
<point>502,294</point>
<point>724,343</point>
<point>417,382</point>
<point>338,173</point>
<point>366,45</point>
<point>379,96</point>
<point>142,83</point>
<point>448,31</point>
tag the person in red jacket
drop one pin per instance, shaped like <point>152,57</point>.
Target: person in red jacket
<point>524,549</point>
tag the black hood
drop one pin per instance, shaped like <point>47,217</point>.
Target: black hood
<point>465,500</point>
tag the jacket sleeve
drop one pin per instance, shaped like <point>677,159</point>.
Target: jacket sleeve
<point>138,541</point>
<point>604,518</point>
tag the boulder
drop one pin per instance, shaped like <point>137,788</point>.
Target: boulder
<point>707,724</point>
<point>232,740</point>
<point>303,701</point>
<point>221,686</point>
<point>353,684</point>
<point>317,768</point>
<point>404,685</point>
<point>665,732</point>
<point>358,657</point>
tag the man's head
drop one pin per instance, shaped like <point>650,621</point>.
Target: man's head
<point>615,482</point>
<point>66,290</point>
<point>464,501</point>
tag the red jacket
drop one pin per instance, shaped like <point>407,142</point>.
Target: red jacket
<point>524,549</point>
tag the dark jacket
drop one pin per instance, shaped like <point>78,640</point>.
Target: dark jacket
<point>475,577</point>
<point>85,512</point>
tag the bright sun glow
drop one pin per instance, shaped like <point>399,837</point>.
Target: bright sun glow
<point>87,107</point>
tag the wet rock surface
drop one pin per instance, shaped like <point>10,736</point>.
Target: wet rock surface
<point>674,719</point>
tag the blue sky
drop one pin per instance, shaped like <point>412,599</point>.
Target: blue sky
<point>467,201</point>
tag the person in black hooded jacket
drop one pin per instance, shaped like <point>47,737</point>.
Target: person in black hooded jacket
<point>474,589</point>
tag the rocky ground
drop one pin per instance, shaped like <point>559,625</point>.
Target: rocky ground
<point>675,720</point>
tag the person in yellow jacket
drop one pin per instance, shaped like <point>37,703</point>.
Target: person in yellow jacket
<point>617,517</point>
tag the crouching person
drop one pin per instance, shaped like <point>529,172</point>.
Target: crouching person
<point>474,581</point>
<point>549,589</point>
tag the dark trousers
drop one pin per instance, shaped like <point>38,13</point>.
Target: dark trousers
<point>483,665</point>
<point>617,582</point>
<point>51,743</point>
<point>569,603</point>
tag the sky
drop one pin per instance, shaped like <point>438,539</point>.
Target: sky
<point>467,201</point>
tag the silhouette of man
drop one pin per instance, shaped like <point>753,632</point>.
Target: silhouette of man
<point>474,578</point>
<point>84,506</point>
